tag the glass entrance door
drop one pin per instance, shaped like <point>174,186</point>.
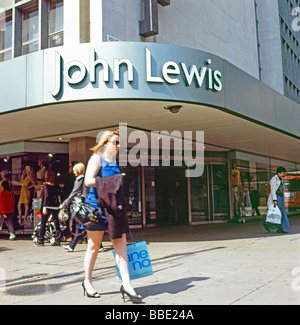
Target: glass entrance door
<point>209,194</point>
<point>219,207</point>
<point>171,196</point>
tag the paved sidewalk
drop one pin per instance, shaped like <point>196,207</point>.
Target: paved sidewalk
<point>209,264</point>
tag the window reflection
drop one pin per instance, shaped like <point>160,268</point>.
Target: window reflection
<point>30,32</point>
<point>5,35</point>
<point>56,23</point>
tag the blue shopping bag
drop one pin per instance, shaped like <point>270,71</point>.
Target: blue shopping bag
<point>139,262</point>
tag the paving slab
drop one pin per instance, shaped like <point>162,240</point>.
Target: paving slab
<point>215,264</point>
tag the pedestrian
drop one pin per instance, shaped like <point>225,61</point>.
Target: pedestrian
<point>7,208</point>
<point>70,180</point>
<point>79,190</point>
<point>50,206</point>
<point>102,163</point>
<point>66,191</point>
<point>276,197</point>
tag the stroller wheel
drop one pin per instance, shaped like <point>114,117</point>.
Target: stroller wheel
<point>52,239</point>
<point>35,233</point>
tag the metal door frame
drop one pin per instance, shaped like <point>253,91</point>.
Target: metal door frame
<point>210,197</point>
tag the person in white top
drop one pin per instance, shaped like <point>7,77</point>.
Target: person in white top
<point>276,197</point>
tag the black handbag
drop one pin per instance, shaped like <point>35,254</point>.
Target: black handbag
<point>63,215</point>
<point>85,213</point>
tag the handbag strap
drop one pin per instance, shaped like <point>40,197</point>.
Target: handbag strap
<point>131,236</point>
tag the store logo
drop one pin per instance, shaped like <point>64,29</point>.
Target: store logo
<point>76,73</point>
<point>155,148</point>
<point>296,21</point>
<point>139,260</point>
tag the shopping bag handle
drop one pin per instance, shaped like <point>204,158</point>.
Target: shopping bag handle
<point>131,236</point>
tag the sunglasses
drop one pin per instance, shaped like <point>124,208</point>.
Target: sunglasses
<point>115,143</point>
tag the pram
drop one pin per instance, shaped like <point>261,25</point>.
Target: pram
<point>49,231</point>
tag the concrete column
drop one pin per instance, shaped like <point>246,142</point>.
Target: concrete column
<point>71,22</point>
<point>96,21</point>
<point>84,21</point>
<point>79,149</point>
<point>43,24</point>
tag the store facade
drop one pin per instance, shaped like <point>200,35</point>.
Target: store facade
<point>59,99</point>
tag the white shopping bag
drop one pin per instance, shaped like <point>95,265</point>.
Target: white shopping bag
<point>274,215</point>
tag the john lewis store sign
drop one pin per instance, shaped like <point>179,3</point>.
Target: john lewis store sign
<point>149,71</point>
<point>169,72</point>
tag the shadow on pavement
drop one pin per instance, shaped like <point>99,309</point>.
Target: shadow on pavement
<point>172,287</point>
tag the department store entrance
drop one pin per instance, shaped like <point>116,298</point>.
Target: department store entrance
<point>209,194</point>
<point>171,196</point>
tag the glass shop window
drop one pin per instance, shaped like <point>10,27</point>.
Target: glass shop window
<point>249,186</point>
<point>5,35</point>
<point>30,30</point>
<point>56,23</point>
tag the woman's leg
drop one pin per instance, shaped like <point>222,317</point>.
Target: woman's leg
<point>120,246</point>
<point>20,214</point>
<point>26,205</point>
<point>285,225</point>
<point>56,225</point>
<point>1,221</point>
<point>94,241</point>
<point>42,231</point>
<point>76,236</point>
<point>10,226</point>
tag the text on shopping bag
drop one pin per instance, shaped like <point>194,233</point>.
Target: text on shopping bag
<point>274,215</point>
<point>139,262</point>
<point>139,259</point>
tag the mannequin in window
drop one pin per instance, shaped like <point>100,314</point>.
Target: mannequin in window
<point>237,188</point>
<point>28,181</point>
<point>4,177</point>
<point>40,174</point>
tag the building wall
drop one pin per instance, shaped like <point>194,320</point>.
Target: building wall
<point>255,35</point>
<point>270,56</point>
<point>279,46</point>
<point>224,28</point>
<point>290,43</point>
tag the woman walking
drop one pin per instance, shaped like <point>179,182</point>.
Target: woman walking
<point>102,163</point>
<point>79,190</point>
<point>7,208</point>
<point>50,206</point>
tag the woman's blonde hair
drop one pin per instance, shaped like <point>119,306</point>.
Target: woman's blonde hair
<point>29,171</point>
<point>79,169</point>
<point>105,137</point>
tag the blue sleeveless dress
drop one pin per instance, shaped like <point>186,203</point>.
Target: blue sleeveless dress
<point>107,169</point>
